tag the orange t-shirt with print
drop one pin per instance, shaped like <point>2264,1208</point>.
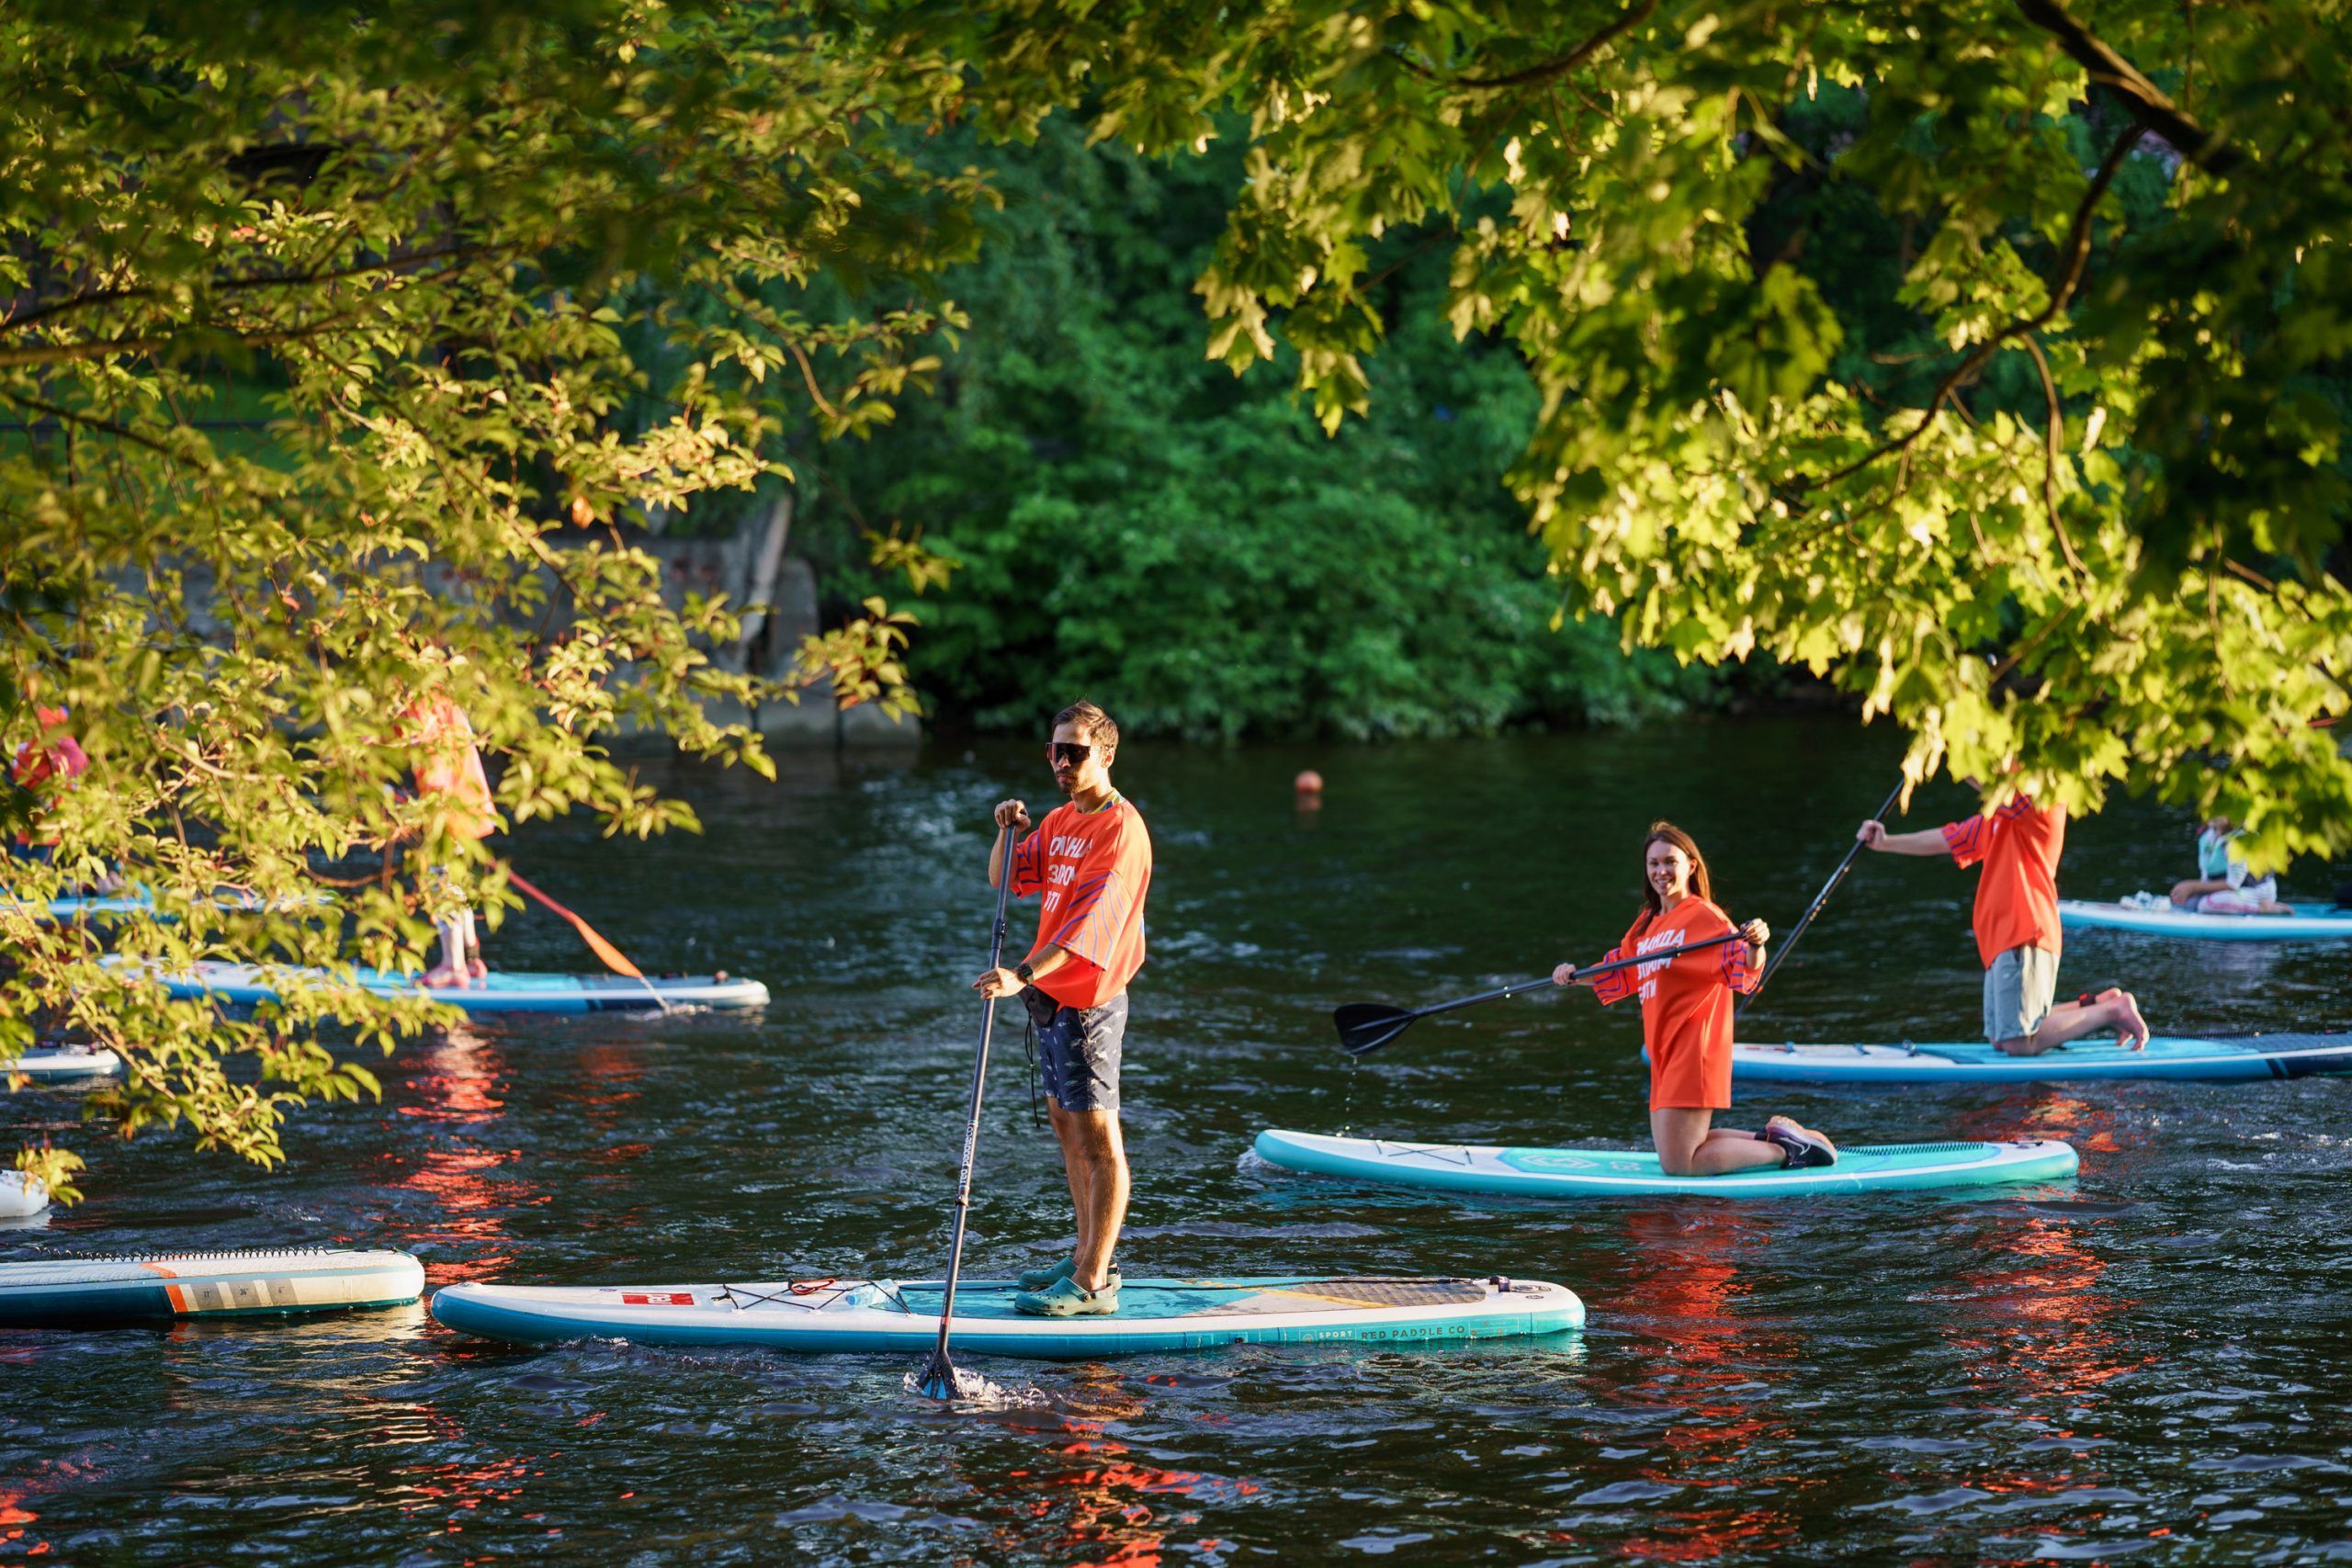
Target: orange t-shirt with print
<point>1686,1002</point>
<point>1093,869</point>
<point>2017,893</point>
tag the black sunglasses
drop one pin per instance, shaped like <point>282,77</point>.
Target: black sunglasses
<point>1069,752</point>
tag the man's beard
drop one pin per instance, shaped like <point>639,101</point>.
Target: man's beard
<point>1067,782</point>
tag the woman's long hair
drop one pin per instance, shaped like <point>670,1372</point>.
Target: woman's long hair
<point>1667,833</point>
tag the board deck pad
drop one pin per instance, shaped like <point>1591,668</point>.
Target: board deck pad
<point>2310,922</point>
<point>96,1292</point>
<point>503,991</point>
<point>1154,1315</point>
<point>2221,1058</point>
<point>1593,1173</point>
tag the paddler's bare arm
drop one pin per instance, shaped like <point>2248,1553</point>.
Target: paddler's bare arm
<point>1010,814</point>
<point>1926,841</point>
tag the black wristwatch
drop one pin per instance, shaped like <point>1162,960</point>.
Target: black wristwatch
<point>1020,972</point>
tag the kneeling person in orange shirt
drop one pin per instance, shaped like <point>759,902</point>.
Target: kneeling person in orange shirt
<point>2017,931</point>
<point>1687,1016</point>
<point>1091,860</point>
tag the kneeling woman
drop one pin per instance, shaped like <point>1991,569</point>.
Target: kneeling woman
<point>1687,1016</point>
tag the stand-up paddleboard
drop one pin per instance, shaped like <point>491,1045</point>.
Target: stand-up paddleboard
<point>2309,922</point>
<point>2221,1059</point>
<point>63,1064</point>
<point>134,901</point>
<point>1155,1315</point>
<point>21,1194</point>
<point>1604,1173</point>
<point>243,984</point>
<point>99,1292</point>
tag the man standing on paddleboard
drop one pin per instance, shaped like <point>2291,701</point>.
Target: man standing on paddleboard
<point>2016,925</point>
<point>1092,860</point>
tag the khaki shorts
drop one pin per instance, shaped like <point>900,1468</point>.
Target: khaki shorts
<point>2019,990</point>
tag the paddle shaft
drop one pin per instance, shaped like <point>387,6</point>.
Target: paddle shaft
<point>1397,1024</point>
<point>940,1366</point>
<point>1819,899</point>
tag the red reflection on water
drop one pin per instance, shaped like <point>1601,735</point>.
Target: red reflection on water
<point>457,1094</point>
<point>1111,1511</point>
<point>1684,1279</point>
<point>14,1518</point>
<point>2033,1323</point>
<point>2043,1111</point>
<point>457,1491</point>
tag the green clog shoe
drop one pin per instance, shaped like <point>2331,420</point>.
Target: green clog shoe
<point>1066,1298</point>
<point>1039,1278</point>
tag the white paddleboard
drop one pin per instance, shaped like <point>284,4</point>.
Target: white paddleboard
<point>97,1293</point>
<point>63,1064</point>
<point>22,1195</point>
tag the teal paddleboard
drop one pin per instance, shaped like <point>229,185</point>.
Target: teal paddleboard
<point>1155,1315</point>
<point>2222,1059</point>
<point>1604,1173</point>
<point>2310,922</point>
<point>244,985</point>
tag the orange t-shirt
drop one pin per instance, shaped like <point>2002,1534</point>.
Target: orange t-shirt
<point>1093,869</point>
<point>2017,893</point>
<point>1686,1002</point>
<point>56,759</point>
<point>448,766</point>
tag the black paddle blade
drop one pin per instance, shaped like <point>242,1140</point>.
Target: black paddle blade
<point>937,1379</point>
<point>1367,1026</point>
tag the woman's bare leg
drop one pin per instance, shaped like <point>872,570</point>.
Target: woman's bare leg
<point>1685,1147</point>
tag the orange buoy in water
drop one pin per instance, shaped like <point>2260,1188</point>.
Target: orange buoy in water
<point>1309,782</point>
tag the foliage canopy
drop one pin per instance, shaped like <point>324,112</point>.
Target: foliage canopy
<point>1983,355</point>
<point>2072,495</point>
<point>418,242</point>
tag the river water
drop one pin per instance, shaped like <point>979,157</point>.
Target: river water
<point>2148,1362</point>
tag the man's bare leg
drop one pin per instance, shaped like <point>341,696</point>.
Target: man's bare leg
<point>1076,1172</point>
<point>1097,1147</point>
<point>2117,1013</point>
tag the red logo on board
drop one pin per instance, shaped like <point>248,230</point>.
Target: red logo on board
<point>657,1298</point>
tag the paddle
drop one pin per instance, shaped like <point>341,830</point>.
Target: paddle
<point>937,1379</point>
<point>1820,899</point>
<point>613,957</point>
<point>1365,1027</point>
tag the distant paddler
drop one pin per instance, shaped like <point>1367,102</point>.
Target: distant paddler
<point>455,789</point>
<point>2224,883</point>
<point>1092,860</point>
<point>43,768</point>
<point>2018,932</point>
<point>1687,1013</point>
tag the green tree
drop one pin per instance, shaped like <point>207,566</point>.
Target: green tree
<point>1136,523</point>
<point>2086,526</point>
<point>421,242</point>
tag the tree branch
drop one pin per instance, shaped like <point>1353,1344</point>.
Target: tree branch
<point>2077,255</point>
<point>2053,437</point>
<point>2208,149</point>
<point>237,285</point>
<point>1570,61</point>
